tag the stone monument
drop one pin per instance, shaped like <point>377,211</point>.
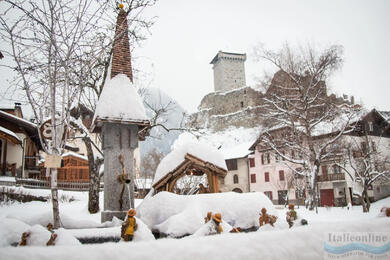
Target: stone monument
<point>120,118</point>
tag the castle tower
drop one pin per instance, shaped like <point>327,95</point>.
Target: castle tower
<point>229,71</point>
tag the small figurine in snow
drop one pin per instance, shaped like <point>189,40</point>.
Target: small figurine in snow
<point>208,217</point>
<point>291,215</point>
<point>217,219</point>
<point>203,189</point>
<point>52,240</point>
<point>50,227</point>
<point>266,218</point>
<point>385,211</point>
<point>235,230</point>
<point>53,236</point>
<point>23,241</point>
<point>129,226</point>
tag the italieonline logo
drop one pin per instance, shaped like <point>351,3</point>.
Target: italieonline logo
<point>357,245</point>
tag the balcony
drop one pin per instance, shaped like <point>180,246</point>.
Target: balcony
<point>331,177</point>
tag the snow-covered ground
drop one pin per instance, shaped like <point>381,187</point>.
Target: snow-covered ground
<point>300,242</point>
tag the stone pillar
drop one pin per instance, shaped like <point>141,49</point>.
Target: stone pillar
<point>118,139</point>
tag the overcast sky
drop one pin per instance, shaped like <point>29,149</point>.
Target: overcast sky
<point>188,34</point>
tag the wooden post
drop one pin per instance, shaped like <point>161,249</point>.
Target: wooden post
<point>5,157</point>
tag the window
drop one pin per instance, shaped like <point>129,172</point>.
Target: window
<point>281,175</point>
<point>373,146</point>
<point>231,164</point>
<point>251,162</point>
<point>268,194</point>
<point>253,178</point>
<point>336,169</point>
<point>266,176</point>
<point>364,147</point>
<point>277,157</point>
<point>324,169</point>
<point>370,127</point>
<point>265,158</point>
<point>235,178</point>
<point>242,104</point>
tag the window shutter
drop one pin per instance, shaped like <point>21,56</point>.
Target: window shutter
<point>281,175</point>
<point>266,175</point>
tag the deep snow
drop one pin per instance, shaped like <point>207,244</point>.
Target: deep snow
<point>300,242</point>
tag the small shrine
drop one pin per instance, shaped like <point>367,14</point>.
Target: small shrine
<point>191,159</point>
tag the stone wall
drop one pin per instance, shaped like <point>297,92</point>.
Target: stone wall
<point>239,108</point>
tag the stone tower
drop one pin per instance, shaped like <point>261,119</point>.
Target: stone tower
<point>229,71</point>
<point>120,118</point>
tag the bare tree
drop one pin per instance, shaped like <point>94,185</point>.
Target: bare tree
<point>297,104</point>
<point>150,162</point>
<point>365,164</point>
<point>47,39</point>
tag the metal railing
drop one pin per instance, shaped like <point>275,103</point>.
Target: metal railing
<point>331,177</point>
<point>45,184</point>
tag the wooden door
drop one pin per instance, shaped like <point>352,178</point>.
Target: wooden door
<point>327,197</point>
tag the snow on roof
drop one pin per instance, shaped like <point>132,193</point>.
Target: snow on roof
<point>385,115</point>
<point>75,155</point>
<point>10,133</point>
<point>238,151</point>
<point>22,120</point>
<point>203,151</point>
<point>119,100</point>
<point>177,215</point>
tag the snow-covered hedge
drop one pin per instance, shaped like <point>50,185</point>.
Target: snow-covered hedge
<point>178,215</point>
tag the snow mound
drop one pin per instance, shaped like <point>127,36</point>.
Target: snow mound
<point>46,217</point>
<point>143,233</point>
<point>120,100</point>
<point>11,231</point>
<point>301,243</point>
<point>65,238</point>
<point>38,236</point>
<point>203,151</point>
<point>178,215</point>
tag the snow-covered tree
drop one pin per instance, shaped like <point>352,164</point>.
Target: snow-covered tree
<point>366,164</point>
<point>47,39</point>
<point>297,110</point>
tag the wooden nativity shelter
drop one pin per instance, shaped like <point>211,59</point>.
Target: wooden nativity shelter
<point>192,165</point>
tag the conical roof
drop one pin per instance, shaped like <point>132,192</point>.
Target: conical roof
<point>119,101</point>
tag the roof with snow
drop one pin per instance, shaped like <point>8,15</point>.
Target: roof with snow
<point>20,125</point>
<point>385,115</point>
<point>189,158</point>
<point>236,152</point>
<point>83,157</point>
<point>119,102</point>
<point>9,135</point>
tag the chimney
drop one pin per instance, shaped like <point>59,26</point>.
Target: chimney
<point>121,58</point>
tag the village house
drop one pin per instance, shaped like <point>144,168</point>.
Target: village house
<point>19,143</point>
<point>280,180</point>
<point>237,164</point>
